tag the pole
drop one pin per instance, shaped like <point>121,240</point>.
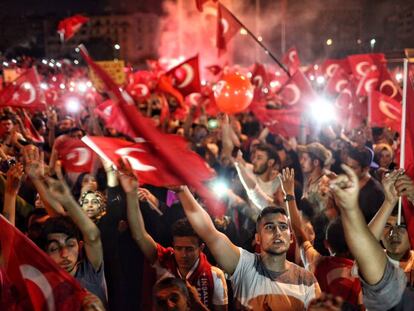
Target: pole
<point>283,27</point>
<point>403,130</point>
<point>260,43</point>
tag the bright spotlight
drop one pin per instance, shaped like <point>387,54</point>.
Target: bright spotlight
<point>5,64</point>
<point>322,111</point>
<point>82,87</point>
<point>373,41</point>
<point>220,187</point>
<point>62,86</point>
<point>89,84</point>
<point>76,62</point>
<point>44,61</point>
<point>14,61</point>
<point>399,77</point>
<point>274,84</point>
<point>320,80</point>
<point>73,105</point>
<point>117,47</point>
<point>329,42</point>
<point>43,86</point>
<point>58,64</point>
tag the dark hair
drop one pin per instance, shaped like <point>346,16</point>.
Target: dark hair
<point>269,210</point>
<point>362,156</point>
<point>336,237</point>
<point>35,214</point>
<point>169,282</point>
<point>314,157</point>
<point>182,228</point>
<point>61,224</point>
<point>306,208</point>
<point>7,116</point>
<point>270,151</point>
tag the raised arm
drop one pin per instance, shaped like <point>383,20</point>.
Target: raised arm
<point>59,190</point>
<point>379,221</point>
<point>135,220</point>
<point>288,182</point>
<point>226,253</point>
<point>13,181</point>
<point>366,249</point>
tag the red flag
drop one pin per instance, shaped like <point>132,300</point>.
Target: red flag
<point>259,76</point>
<point>409,149</point>
<point>362,64</point>
<point>151,170</point>
<point>338,81</point>
<point>165,85</point>
<point>112,116</point>
<point>34,134</point>
<point>344,104</point>
<point>71,25</point>
<point>227,27</point>
<point>179,161</point>
<point>186,76</point>
<point>330,65</point>
<point>297,91</point>
<point>384,111</point>
<point>387,85</point>
<point>37,282</point>
<point>285,122</point>
<point>75,155</point>
<point>368,82</point>
<point>291,59</point>
<point>24,92</point>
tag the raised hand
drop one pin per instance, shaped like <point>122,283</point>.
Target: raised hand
<point>405,187</point>
<point>288,181</point>
<point>58,188</point>
<point>346,189</point>
<point>146,195</point>
<point>14,178</point>
<point>388,183</point>
<point>34,164</point>
<point>126,177</point>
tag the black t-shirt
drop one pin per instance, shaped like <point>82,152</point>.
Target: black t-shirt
<point>371,197</point>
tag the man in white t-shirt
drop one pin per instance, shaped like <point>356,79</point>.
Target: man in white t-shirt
<point>265,281</point>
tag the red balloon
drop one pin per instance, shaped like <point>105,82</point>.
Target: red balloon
<point>233,93</point>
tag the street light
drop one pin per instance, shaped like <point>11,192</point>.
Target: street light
<point>372,42</point>
<point>117,47</point>
<point>329,42</point>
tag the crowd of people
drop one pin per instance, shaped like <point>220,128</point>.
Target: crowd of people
<point>309,225</point>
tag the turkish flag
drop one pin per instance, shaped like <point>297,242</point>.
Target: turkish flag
<point>368,82</point>
<point>165,85</point>
<point>297,91</point>
<point>227,27</point>
<point>384,111</point>
<point>71,25</point>
<point>387,85</point>
<point>409,149</point>
<point>285,122</point>
<point>259,77</point>
<point>36,282</point>
<point>24,92</point>
<point>34,134</point>
<point>291,60</point>
<point>75,155</point>
<point>111,114</point>
<point>337,82</point>
<point>362,64</point>
<point>329,66</point>
<point>186,166</point>
<point>344,103</point>
<point>186,76</point>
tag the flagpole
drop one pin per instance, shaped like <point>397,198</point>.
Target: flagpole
<point>260,43</point>
<point>403,129</point>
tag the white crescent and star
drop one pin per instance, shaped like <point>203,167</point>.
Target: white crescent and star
<point>389,110</point>
<point>296,94</point>
<point>189,76</point>
<point>140,90</point>
<point>292,56</point>
<point>135,163</point>
<point>194,99</point>
<point>225,25</point>
<point>391,85</point>
<point>84,155</point>
<point>359,69</point>
<point>258,81</point>
<point>331,69</point>
<point>370,84</point>
<point>34,275</point>
<point>340,85</point>
<point>26,87</point>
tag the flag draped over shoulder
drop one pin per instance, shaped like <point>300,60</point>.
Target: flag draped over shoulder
<point>35,281</point>
<point>178,160</point>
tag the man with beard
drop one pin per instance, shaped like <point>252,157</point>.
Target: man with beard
<point>313,158</point>
<point>260,179</point>
<point>265,281</point>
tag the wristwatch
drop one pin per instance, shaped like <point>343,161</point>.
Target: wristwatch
<point>289,197</point>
